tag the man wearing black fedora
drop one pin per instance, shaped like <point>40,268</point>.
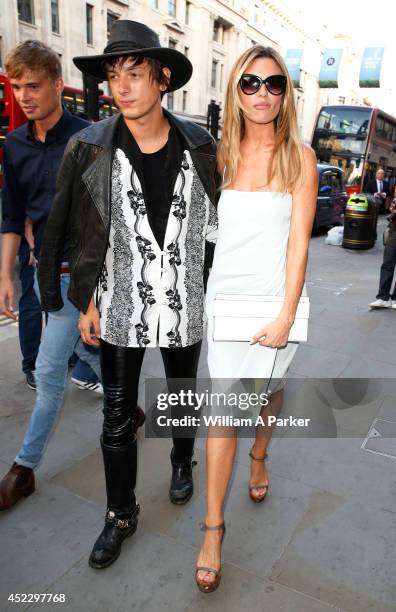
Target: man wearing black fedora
<point>136,194</point>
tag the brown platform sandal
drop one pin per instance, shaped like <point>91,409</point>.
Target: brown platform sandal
<point>260,498</point>
<point>209,587</point>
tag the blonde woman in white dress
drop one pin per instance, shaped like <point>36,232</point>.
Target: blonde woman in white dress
<point>266,211</point>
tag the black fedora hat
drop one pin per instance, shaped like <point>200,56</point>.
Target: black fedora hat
<point>136,39</point>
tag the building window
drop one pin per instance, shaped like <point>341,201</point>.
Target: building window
<point>188,12</point>
<point>61,60</point>
<point>213,82</point>
<point>55,16</point>
<point>89,24</point>
<point>26,11</point>
<point>111,18</point>
<point>172,43</point>
<point>172,8</point>
<point>184,100</point>
<point>221,76</point>
<point>154,4</point>
<point>216,31</point>
<point>170,100</point>
<point>186,51</point>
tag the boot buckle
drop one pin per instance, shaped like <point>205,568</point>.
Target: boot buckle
<point>122,523</point>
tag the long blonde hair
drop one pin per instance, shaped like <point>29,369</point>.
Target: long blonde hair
<point>287,161</point>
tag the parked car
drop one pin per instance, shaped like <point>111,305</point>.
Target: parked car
<point>332,197</point>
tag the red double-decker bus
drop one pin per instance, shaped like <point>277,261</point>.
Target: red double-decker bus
<point>357,139</point>
<point>12,117</point>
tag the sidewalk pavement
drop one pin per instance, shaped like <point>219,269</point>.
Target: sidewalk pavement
<point>323,540</point>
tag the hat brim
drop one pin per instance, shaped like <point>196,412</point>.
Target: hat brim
<point>179,65</point>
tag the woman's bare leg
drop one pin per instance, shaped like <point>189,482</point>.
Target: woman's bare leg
<point>220,457</point>
<point>258,470</point>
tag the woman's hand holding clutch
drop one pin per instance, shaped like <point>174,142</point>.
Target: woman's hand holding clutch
<point>274,335</point>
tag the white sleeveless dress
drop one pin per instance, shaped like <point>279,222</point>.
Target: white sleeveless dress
<point>249,258</point>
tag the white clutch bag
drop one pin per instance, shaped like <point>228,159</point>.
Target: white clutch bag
<point>237,318</point>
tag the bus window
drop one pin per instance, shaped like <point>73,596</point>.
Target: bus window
<point>80,106</point>
<point>104,109</point>
<point>388,130</point>
<point>341,130</point>
<point>379,126</point>
<point>68,99</point>
<point>2,98</point>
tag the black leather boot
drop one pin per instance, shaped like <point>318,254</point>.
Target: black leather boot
<point>122,509</point>
<point>182,487</point>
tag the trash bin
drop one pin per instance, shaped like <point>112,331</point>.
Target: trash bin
<point>360,222</point>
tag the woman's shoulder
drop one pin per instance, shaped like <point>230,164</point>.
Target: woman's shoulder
<point>308,153</point>
<point>309,171</point>
<point>310,161</point>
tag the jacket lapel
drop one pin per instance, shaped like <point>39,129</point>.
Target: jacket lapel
<point>97,180</point>
<point>97,177</point>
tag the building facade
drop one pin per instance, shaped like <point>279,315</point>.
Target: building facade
<point>212,33</point>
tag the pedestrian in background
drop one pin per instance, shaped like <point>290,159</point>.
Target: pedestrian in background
<point>386,298</point>
<point>379,188</point>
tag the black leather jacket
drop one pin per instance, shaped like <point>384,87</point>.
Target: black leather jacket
<point>81,208</point>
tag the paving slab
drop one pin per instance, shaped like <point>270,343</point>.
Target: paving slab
<point>42,538</point>
<point>339,466</point>
<point>86,479</point>
<point>320,363</point>
<point>333,405</point>
<point>355,572</point>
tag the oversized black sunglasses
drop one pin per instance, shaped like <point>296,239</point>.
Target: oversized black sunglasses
<point>251,83</point>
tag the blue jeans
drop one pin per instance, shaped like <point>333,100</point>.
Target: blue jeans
<point>60,338</point>
<point>30,316</point>
<point>81,370</point>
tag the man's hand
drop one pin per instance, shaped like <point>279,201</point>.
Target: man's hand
<point>7,298</point>
<point>9,250</point>
<point>89,325</point>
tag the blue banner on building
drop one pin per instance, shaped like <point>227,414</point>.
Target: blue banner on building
<point>328,76</point>
<point>293,63</point>
<point>370,68</point>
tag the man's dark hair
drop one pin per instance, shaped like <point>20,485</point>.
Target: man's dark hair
<point>156,68</point>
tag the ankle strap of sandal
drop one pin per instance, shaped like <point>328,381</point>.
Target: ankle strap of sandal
<point>256,458</point>
<point>204,527</point>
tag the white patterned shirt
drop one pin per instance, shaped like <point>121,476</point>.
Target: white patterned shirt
<point>148,296</point>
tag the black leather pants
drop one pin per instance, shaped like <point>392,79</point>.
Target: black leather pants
<point>121,368</point>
